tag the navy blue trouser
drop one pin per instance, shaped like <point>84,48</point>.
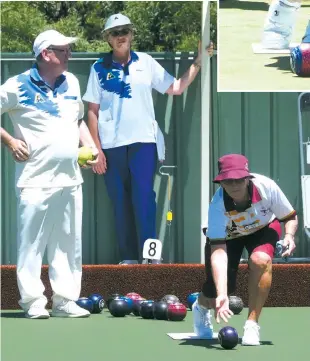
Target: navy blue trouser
<point>129,180</point>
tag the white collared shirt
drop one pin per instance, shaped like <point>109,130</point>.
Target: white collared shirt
<point>126,113</point>
<point>267,203</point>
<point>47,120</point>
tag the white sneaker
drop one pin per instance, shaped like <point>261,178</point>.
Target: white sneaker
<point>68,308</point>
<point>37,311</point>
<point>251,334</point>
<point>202,321</point>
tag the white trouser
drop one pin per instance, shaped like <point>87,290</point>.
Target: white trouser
<point>49,218</point>
<point>279,24</point>
<point>306,38</point>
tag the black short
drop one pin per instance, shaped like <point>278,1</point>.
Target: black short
<point>263,240</point>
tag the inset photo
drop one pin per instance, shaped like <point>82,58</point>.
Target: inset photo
<point>264,45</point>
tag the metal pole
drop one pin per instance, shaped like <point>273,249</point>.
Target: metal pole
<point>205,123</point>
<point>169,216</point>
<point>301,144</point>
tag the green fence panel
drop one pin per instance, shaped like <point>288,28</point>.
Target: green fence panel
<point>179,119</point>
<point>263,126</point>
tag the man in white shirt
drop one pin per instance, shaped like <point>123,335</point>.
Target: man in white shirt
<point>245,212</point>
<point>45,106</point>
<point>121,119</point>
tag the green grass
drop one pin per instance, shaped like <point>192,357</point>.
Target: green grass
<point>240,25</point>
<point>284,334</point>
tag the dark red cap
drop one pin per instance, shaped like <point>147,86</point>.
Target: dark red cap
<point>232,166</point>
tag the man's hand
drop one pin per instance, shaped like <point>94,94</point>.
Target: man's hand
<point>209,49</point>
<point>222,310</point>
<point>101,165</point>
<point>19,150</point>
<point>288,245</point>
<point>91,163</point>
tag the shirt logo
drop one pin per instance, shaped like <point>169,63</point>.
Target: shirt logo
<point>38,98</point>
<point>110,76</point>
<point>252,225</point>
<point>264,211</point>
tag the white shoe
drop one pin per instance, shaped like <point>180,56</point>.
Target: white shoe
<point>202,321</point>
<point>251,334</point>
<point>68,308</point>
<point>37,311</point>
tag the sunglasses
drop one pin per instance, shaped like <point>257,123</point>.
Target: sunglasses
<point>120,32</point>
<point>232,181</point>
<point>68,50</point>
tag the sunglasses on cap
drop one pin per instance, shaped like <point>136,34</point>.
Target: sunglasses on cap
<point>120,32</point>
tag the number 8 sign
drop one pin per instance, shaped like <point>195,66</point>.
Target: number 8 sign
<point>152,249</point>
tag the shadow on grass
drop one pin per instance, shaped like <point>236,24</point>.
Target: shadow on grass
<point>8,314</point>
<point>280,63</point>
<point>248,5</point>
<point>215,344</point>
<point>244,5</point>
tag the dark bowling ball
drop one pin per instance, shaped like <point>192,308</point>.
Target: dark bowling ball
<point>235,304</point>
<point>228,337</point>
<point>136,307</point>
<point>85,303</point>
<point>176,312</point>
<point>146,309</point>
<point>170,299</point>
<point>111,298</point>
<point>130,303</point>
<point>191,298</point>
<point>98,302</point>
<point>118,308</point>
<point>160,310</point>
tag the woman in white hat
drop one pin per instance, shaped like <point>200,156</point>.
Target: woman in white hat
<point>121,119</point>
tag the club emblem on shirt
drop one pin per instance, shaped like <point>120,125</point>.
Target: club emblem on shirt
<point>38,98</point>
<point>231,229</point>
<point>264,211</point>
<point>110,76</point>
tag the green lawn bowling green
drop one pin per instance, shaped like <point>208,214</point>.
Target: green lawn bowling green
<point>284,336</point>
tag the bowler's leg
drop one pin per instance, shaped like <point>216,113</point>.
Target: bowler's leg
<point>261,250</point>
<point>118,183</point>
<point>142,163</point>
<point>34,227</point>
<point>280,23</point>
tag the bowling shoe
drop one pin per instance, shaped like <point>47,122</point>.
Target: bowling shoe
<point>202,321</point>
<point>251,334</point>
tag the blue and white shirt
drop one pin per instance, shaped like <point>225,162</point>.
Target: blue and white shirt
<point>267,203</point>
<point>47,120</point>
<point>126,113</point>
